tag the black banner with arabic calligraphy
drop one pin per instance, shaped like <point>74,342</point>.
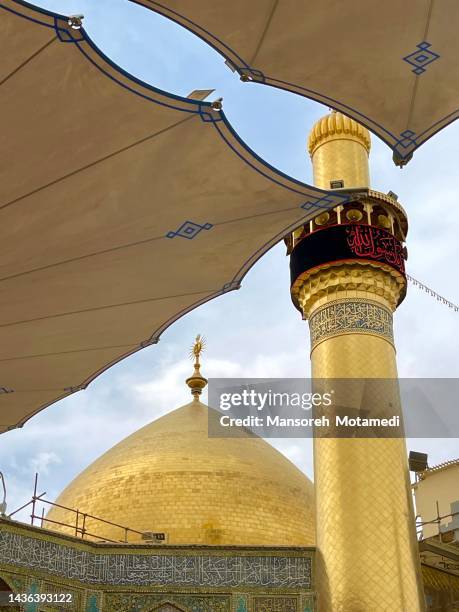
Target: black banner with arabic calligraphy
<point>346,242</point>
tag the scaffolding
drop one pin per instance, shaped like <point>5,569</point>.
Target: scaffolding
<point>79,528</point>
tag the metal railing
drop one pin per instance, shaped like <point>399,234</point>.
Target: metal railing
<point>438,520</point>
<point>79,526</point>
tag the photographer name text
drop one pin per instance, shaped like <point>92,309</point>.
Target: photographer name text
<point>338,421</point>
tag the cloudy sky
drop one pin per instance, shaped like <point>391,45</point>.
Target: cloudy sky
<point>254,331</point>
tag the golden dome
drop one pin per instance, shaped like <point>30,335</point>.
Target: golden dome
<point>171,477</point>
<point>335,126</point>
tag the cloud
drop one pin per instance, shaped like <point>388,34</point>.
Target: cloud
<point>43,460</point>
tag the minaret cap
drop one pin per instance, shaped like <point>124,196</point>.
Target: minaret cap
<point>335,126</point>
<point>197,382</point>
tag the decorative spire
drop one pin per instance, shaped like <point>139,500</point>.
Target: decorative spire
<point>339,148</point>
<point>334,126</point>
<point>197,382</point>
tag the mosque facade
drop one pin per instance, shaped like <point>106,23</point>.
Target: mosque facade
<point>233,525</point>
<point>126,577</point>
<point>237,520</point>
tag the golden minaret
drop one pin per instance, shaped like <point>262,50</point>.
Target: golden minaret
<point>348,277</point>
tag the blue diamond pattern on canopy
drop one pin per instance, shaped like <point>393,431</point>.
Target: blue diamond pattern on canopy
<point>353,60</point>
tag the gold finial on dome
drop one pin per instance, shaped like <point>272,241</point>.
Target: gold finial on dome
<point>335,126</point>
<point>197,382</point>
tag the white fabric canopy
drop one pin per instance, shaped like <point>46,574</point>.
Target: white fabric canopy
<point>391,65</point>
<point>121,209</point>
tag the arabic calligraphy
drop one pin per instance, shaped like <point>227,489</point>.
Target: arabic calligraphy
<point>276,604</point>
<point>375,243</point>
<point>180,569</point>
<point>169,603</point>
<point>357,316</point>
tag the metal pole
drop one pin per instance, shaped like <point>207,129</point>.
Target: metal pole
<point>3,503</point>
<point>438,521</point>
<point>32,516</point>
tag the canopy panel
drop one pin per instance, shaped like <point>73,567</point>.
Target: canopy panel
<point>121,209</point>
<point>391,65</point>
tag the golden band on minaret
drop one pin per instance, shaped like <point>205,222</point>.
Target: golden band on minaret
<point>347,278</point>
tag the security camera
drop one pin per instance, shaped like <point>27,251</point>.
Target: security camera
<point>75,21</point>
